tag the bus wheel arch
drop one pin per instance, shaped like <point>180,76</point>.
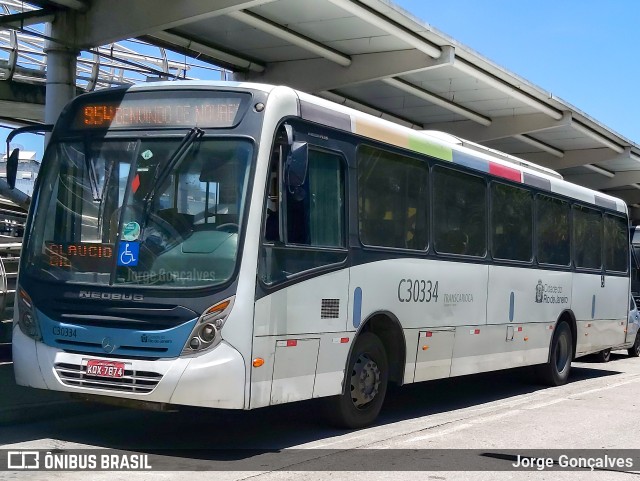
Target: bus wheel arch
<point>376,357</point>
<point>387,328</point>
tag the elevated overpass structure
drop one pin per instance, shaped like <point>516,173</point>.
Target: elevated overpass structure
<point>23,67</point>
<point>367,54</point>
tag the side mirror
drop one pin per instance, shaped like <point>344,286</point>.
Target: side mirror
<point>12,167</point>
<point>12,160</point>
<point>297,163</point>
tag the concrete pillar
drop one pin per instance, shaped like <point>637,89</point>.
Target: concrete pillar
<point>61,66</point>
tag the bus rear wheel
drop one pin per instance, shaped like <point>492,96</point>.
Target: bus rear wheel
<point>556,371</point>
<point>366,376</point>
<point>634,351</point>
<point>604,356</point>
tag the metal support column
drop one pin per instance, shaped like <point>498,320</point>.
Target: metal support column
<point>61,66</point>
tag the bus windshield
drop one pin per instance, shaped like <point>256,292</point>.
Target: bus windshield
<point>143,211</point>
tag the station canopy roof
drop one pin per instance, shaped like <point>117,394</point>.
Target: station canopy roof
<point>376,57</point>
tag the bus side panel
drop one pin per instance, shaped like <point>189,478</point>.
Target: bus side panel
<point>421,292</point>
<point>520,295</point>
<point>598,321</point>
<point>522,307</point>
<point>603,325</point>
<point>316,305</point>
<point>433,356</point>
<point>298,367</point>
<point>616,310</point>
<point>499,346</point>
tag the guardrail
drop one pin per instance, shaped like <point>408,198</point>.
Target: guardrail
<point>9,259</point>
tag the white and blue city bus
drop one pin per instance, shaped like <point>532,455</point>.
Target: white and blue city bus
<point>233,245</point>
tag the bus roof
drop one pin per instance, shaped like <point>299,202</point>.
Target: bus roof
<point>458,151</point>
<point>436,144</point>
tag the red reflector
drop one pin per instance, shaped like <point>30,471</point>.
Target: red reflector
<point>506,172</point>
<point>519,329</point>
<point>292,343</point>
<point>477,331</point>
<point>344,340</point>
<point>428,334</point>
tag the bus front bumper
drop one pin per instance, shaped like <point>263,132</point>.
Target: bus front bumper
<point>215,378</point>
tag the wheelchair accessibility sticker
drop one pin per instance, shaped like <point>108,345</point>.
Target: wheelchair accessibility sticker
<point>128,253</point>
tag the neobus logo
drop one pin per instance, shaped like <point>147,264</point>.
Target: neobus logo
<point>110,296</point>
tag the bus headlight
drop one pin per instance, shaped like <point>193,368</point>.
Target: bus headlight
<point>206,332</point>
<point>26,317</point>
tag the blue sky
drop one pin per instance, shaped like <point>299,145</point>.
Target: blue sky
<point>584,52</point>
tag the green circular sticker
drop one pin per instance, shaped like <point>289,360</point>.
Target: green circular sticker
<point>131,231</point>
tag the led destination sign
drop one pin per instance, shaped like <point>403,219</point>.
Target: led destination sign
<point>161,112</point>
<point>81,256</point>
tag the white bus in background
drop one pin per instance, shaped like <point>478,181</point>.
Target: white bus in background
<point>236,246</point>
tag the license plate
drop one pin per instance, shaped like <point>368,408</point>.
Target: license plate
<point>101,368</point>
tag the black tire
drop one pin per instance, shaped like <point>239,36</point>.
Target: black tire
<point>634,351</point>
<point>366,376</point>
<point>556,371</point>
<point>604,356</point>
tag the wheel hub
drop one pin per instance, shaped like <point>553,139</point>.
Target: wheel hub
<point>365,381</point>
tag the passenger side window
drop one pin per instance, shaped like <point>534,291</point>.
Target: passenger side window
<point>393,199</point>
<point>511,223</point>
<point>311,233</point>
<point>587,237</point>
<point>459,213</point>
<point>315,212</point>
<point>552,217</point>
<point>616,243</point>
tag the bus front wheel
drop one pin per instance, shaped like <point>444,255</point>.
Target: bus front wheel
<point>366,377</point>
<point>556,371</point>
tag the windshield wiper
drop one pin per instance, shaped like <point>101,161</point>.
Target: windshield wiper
<point>163,172</point>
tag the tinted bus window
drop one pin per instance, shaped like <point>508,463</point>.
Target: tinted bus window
<point>587,237</point>
<point>459,213</point>
<point>552,222</point>
<point>393,201</point>
<point>315,213</point>
<point>511,223</point>
<point>616,243</point>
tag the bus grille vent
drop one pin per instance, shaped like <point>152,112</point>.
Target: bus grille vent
<point>330,309</point>
<point>133,381</point>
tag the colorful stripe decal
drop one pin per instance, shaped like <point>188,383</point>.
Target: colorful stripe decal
<point>505,172</point>
<point>414,141</point>
<point>470,161</point>
<point>419,144</point>
<point>535,181</point>
<point>401,138</point>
